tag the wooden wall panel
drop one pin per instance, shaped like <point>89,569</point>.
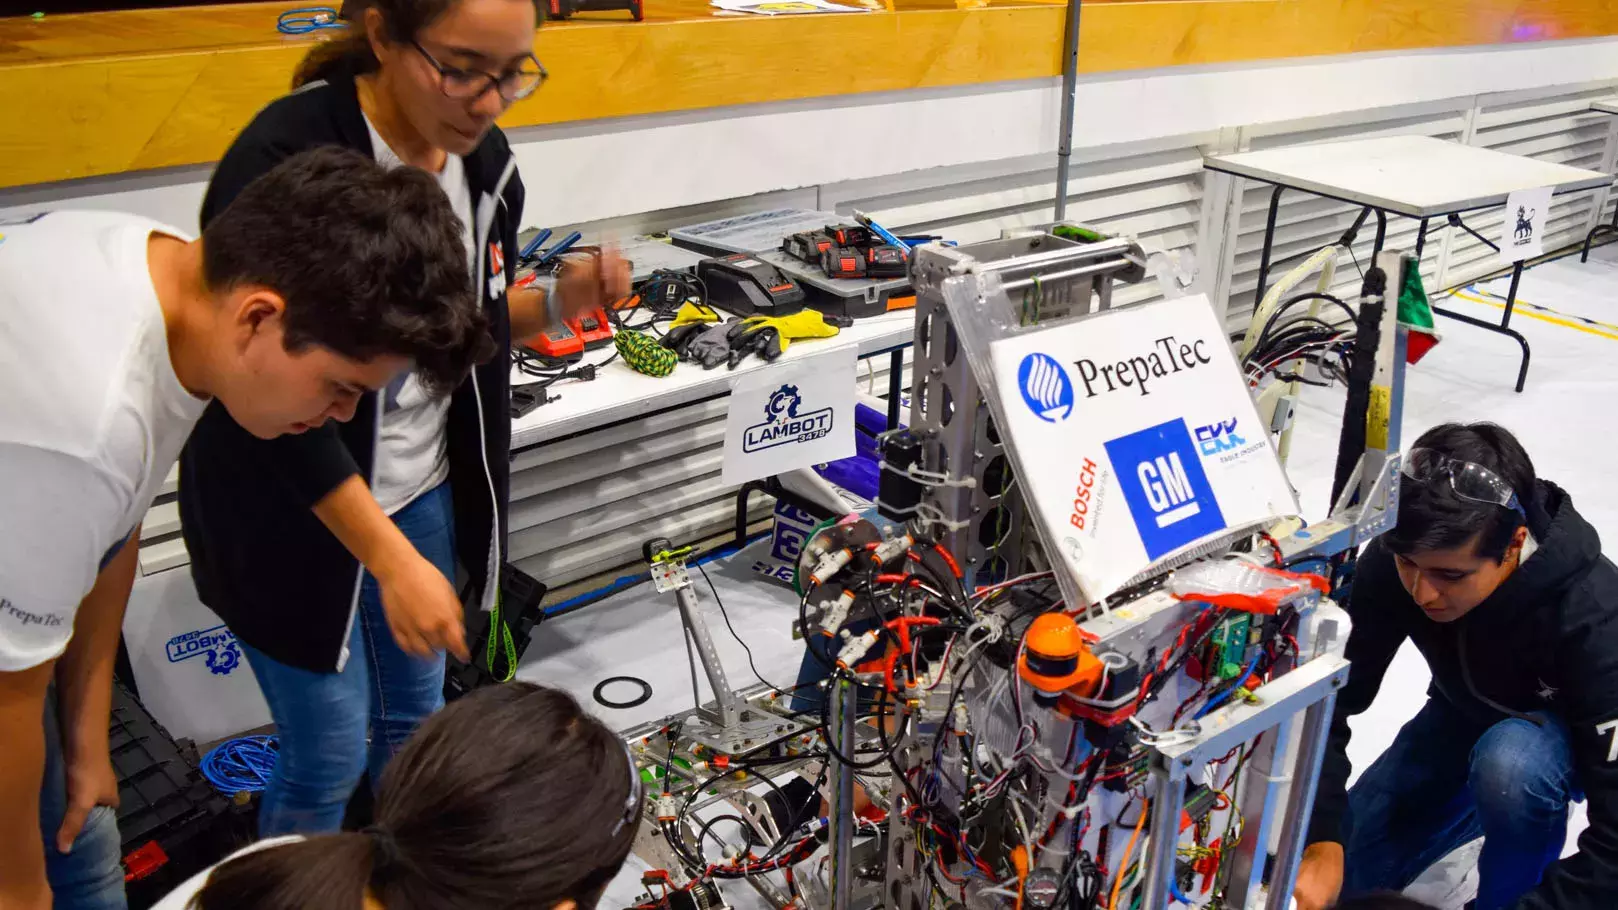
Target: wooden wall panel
<point>103,93</point>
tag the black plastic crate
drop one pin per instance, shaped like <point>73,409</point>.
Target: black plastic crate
<point>171,821</point>
<point>520,596</point>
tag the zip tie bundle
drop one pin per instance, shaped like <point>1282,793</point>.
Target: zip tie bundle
<point>645,354</point>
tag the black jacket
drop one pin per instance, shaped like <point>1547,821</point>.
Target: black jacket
<point>1545,641</point>
<point>260,557</point>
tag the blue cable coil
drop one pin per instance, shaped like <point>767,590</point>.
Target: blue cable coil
<point>307,19</point>
<point>241,765</point>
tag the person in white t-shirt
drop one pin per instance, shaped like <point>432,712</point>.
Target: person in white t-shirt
<point>324,279</point>
<point>541,813</point>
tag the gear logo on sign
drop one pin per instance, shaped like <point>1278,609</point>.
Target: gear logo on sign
<point>1045,387</point>
<point>217,645</point>
<point>784,424</point>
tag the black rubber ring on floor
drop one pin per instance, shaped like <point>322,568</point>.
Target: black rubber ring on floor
<point>645,696</point>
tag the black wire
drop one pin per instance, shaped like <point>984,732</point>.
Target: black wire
<point>810,635</point>
<point>1269,324</point>
<point>674,833</point>
<point>705,830</point>
<point>668,764</point>
<point>732,629</point>
<point>881,715</point>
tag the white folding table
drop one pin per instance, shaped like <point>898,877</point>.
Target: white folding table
<point>1604,106</point>
<point>1415,176</point>
<point>619,394</point>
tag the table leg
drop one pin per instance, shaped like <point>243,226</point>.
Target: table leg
<point>1511,295</point>
<point>1504,327</point>
<point>1421,242</point>
<point>1522,371</point>
<point>1597,231</point>
<point>896,370</point>
<point>1269,244</point>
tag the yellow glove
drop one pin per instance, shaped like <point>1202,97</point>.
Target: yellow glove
<point>693,314</point>
<point>802,324</point>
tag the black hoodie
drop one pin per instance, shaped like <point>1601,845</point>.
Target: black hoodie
<point>260,557</point>
<point>1546,641</point>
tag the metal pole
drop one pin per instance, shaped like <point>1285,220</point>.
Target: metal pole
<point>1070,88</point>
<point>1306,774</point>
<point>726,704</point>
<point>840,727</point>
<point>1168,800</point>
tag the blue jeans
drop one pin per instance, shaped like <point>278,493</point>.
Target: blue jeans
<point>335,726</point>
<point>91,875</point>
<point>1444,782</point>
<point>807,696</point>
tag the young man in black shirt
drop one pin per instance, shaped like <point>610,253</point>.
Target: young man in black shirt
<point>1502,587</point>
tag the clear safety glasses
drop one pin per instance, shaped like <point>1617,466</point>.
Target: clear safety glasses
<point>1469,481</point>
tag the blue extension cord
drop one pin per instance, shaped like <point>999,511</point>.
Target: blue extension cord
<point>307,19</point>
<point>241,765</point>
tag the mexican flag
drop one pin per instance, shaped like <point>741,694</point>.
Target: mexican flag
<point>1416,315</point>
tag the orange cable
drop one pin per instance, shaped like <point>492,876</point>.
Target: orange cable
<point>1123,864</point>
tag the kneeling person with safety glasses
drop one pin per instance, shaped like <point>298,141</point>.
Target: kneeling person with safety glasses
<point>1502,587</point>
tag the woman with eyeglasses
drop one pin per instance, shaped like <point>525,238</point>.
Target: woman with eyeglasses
<point>332,553</point>
<point>512,797</point>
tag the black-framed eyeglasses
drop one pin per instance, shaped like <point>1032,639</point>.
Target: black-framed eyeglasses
<point>518,82</point>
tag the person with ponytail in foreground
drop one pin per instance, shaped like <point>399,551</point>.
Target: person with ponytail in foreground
<point>511,797</point>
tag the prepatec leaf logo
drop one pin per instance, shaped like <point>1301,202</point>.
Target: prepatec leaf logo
<point>1045,387</point>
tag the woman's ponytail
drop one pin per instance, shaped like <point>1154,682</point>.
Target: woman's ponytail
<point>513,797</point>
<point>350,51</point>
<point>332,872</point>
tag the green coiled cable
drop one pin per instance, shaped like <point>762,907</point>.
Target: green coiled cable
<point>644,354</point>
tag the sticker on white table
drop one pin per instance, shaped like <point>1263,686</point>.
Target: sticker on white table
<point>792,414</point>
<point>1522,231</point>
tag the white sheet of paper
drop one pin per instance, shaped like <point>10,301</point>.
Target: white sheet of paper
<point>796,413</point>
<point>1522,230</point>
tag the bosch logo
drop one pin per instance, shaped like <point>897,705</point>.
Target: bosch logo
<point>1046,388</point>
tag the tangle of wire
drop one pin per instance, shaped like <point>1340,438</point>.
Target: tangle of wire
<point>241,765</point>
<point>1284,345</point>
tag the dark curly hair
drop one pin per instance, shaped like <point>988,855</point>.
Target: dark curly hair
<point>511,798</point>
<point>370,262</point>
<point>1433,517</point>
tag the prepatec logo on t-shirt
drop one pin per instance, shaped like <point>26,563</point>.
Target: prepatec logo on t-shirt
<point>27,618</point>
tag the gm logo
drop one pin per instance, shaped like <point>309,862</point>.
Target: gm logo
<point>1045,387</point>
<point>218,645</point>
<point>1163,482</point>
<point>1219,437</point>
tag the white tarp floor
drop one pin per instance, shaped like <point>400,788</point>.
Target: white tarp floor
<point>1565,312</point>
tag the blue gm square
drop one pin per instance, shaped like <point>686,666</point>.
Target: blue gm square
<point>1168,494</point>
